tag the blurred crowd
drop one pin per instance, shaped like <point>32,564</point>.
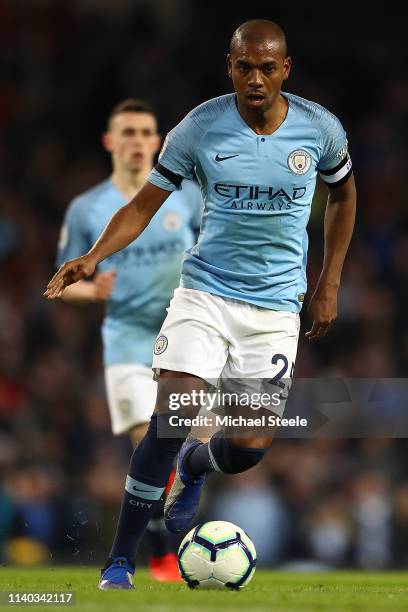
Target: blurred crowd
<point>64,64</point>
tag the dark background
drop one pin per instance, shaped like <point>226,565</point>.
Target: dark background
<point>63,66</point>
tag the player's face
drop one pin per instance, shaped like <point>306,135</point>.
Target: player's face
<point>257,71</point>
<point>132,140</point>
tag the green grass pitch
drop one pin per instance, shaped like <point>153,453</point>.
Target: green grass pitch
<point>269,591</point>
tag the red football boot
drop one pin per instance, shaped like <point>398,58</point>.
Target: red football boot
<point>165,568</point>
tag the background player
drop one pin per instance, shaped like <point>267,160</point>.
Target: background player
<point>137,283</point>
<point>257,154</point>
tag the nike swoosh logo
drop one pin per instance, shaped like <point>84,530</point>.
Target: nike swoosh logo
<point>141,490</point>
<point>218,158</point>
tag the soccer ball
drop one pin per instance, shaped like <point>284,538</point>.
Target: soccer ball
<point>217,555</point>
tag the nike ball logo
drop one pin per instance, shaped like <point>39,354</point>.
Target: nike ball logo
<point>218,158</point>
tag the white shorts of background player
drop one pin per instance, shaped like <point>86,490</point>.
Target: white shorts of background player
<point>131,393</point>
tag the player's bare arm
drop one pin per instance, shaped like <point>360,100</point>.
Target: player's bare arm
<point>338,229</point>
<point>124,227</point>
<point>97,290</point>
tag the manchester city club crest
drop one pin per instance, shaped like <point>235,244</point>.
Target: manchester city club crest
<point>299,161</point>
<point>160,345</point>
<point>172,222</point>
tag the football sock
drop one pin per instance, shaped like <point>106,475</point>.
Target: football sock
<point>220,455</point>
<point>159,537</point>
<point>149,470</point>
<point>197,461</point>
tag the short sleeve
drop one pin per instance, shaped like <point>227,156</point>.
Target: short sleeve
<point>335,165</point>
<point>177,156</point>
<point>74,239</point>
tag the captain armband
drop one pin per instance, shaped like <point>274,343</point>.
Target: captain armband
<point>338,175</point>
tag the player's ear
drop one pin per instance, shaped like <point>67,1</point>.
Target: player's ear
<point>229,65</point>
<point>287,65</point>
<point>107,141</point>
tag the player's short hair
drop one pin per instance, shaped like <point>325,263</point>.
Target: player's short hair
<point>130,105</point>
<point>255,30</point>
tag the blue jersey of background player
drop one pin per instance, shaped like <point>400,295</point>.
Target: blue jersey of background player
<point>246,271</point>
<point>138,282</point>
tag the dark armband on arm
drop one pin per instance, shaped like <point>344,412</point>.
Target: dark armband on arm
<point>174,178</point>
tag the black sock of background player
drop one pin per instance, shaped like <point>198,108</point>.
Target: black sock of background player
<point>149,470</point>
<point>157,534</point>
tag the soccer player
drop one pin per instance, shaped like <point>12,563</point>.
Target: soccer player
<point>257,153</point>
<point>137,283</point>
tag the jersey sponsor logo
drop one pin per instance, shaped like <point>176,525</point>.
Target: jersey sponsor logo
<point>172,222</point>
<point>220,159</point>
<point>160,345</point>
<point>259,197</point>
<point>299,161</point>
<point>150,254</point>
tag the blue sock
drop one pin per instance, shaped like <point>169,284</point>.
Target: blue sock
<point>149,470</point>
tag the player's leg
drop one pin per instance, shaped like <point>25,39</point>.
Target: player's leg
<point>184,342</point>
<point>262,355</point>
<point>150,466</point>
<point>137,433</point>
<point>162,559</point>
<point>263,348</point>
<point>226,454</point>
<point>131,393</point>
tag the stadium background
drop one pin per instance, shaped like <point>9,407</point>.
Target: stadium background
<point>64,64</point>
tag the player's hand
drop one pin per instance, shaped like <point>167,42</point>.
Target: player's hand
<point>322,310</point>
<point>70,272</point>
<point>103,284</point>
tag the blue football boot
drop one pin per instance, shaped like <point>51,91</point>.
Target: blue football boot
<point>117,575</point>
<point>183,499</point>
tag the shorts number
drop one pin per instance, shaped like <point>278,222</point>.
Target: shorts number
<point>276,380</point>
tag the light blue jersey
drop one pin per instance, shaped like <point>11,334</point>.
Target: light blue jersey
<point>257,192</point>
<point>147,271</point>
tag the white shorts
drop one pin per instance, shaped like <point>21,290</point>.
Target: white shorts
<point>131,393</point>
<point>214,337</point>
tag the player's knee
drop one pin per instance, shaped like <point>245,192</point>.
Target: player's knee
<point>262,442</point>
<point>179,391</point>
<point>166,433</point>
<point>232,459</point>
<point>137,433</point>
